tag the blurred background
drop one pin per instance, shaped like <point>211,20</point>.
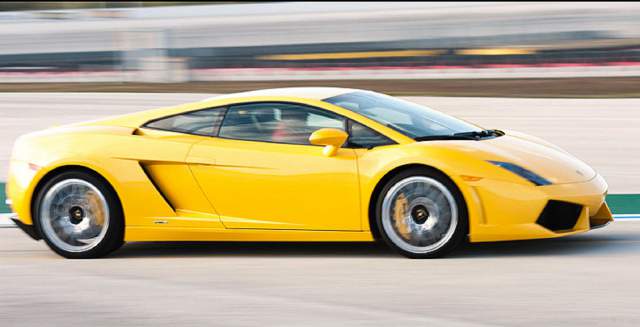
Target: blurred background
<point>228,46</point>
<point>568,72</point>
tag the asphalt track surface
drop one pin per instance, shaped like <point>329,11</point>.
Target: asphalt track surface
<point>588,279</point>
<point>583,280</point>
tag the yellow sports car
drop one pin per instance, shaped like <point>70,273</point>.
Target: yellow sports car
<point>296,164</point>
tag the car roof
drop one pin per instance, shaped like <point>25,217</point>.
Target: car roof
<point>314,93</point>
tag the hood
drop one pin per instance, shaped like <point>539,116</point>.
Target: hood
<point>534,154</point>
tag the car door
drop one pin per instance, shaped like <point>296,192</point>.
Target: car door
<point>262,173</point>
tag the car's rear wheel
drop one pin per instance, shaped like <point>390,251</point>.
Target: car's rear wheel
<point>79,216</point>
<point>421,213</point>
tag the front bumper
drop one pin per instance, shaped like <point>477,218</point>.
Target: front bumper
<point>509,211</point>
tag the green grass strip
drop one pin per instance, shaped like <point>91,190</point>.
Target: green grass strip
<point>3,207</point>
<point>624,203</point>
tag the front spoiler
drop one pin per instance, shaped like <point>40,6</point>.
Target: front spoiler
<point>28,229</point>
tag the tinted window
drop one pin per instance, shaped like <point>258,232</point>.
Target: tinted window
<point>276,122</point>
<point>361,136</point>
<point>406,117</point>
<point>202,122</point>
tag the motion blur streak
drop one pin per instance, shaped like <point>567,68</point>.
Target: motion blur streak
<point>352,55</point>
<point>199,43</point>
<point>495,52</point>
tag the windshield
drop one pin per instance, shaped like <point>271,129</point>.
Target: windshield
<point>409,118</point>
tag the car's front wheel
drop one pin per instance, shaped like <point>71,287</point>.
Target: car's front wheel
<point>421,213</point>
<point>79,216</point>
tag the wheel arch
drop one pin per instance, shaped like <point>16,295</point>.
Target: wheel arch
<point>63,169</point>
<point>373,225</point>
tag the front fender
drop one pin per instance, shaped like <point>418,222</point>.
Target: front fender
<point>464,169</point>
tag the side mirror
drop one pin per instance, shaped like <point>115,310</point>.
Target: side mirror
<point>331,138</point>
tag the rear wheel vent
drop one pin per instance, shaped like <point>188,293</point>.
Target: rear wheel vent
<point>559,215</point>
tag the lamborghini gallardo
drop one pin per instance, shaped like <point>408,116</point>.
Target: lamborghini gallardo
<point>296,165</point>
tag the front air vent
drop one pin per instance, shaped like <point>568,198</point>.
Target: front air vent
<point>559,215</point>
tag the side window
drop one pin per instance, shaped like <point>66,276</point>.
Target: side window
<point>276,122</point>
<point>361,136</point>
<point>201,122</point>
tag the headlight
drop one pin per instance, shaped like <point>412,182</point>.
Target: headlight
<point>522,172</point>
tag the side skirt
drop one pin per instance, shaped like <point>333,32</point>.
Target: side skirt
<point>151,234</point>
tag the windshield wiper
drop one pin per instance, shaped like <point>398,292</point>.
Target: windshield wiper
<point>475,135</point>
<point>482,133</point>
<point>444,137</point>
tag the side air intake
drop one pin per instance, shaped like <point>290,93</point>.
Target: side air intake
<point>147,171</point>
<point>559,215</point>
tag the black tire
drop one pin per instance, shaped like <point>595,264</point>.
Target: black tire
<point>114,236</point>
<point>459,232</point>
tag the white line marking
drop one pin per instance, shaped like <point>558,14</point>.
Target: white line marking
<point>627,218</point>
<point>5,222</point>
<point>626,215</point>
